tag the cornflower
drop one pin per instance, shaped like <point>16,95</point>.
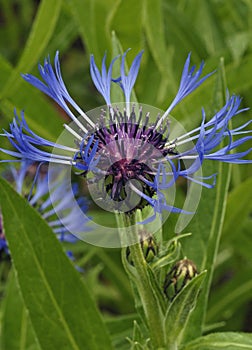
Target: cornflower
<point>122,152</point>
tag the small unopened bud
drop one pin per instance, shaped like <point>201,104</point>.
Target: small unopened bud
<point>181,273</point>
<point>148,245</point>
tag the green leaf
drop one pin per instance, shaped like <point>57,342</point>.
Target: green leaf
<point>237,75</point>
<point>91,17</point>
<point>179,310</point>
<point>117,275</point>
<point>120,21</point>
<point>62,312</point>
<point>230,297</point>
<point>210,29</point>
<point>65,32</point>
<point>16,332</point>
<point>153,24</point>
<point>237,210</point>
<point>40,35</point>
<point>180,37</point>
<point>227,341</point>
<point>238,44</point>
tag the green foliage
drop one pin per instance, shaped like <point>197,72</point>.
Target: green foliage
<point>20,324</point>
<point>228,341</point>
<point>39,36</point>
<point>47,280</point>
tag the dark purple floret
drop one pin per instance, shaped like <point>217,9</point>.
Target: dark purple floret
<point>127,150</point>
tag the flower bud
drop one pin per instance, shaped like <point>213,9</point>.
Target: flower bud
<point>148,245</point>
<point>181,273</point>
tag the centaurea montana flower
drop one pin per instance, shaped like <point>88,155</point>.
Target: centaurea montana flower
<point>31,181</point>
<point>122,149</point>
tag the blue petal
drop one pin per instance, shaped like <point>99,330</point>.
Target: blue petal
<point>55,88</point>
<point>23,140</point>
<point>190,80</point>
<point>127,82</point>
<point>211,135</point>
<point>87,152</point>
<point>102,81</point>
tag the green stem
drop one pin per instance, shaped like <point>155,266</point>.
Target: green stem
<point>151,305</point>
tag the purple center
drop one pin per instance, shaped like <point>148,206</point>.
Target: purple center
<point>128,150</point>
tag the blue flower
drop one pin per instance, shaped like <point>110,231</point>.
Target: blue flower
<point>31,181</point>
<point>122,149</point>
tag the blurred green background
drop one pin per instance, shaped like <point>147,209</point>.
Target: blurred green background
<point>167,31</point>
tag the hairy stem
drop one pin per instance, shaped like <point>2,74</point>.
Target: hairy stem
<point>150,302</point>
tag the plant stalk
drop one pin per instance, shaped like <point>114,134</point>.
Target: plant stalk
<point>151,305</point>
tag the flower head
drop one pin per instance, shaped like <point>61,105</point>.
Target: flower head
<point>122,152</point>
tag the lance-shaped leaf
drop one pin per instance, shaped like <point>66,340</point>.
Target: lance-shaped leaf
<point>62,312</point>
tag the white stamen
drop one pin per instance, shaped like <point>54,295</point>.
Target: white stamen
<point>74,133</point>
<point>188,157</point>
<point>187,140</point>
<point>55,160</point>
<point>82,113</point>
<point>70,149</point>
<point>86,117</point>
<point>162,119</point>
<point>188,133</point>
<point>59,156</point>
<point>77,122</point>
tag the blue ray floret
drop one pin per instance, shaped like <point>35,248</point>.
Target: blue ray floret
<point>54,87</point>
<point>212,133</point>
<point>26,143</point>
<point>127,82</point>
<point>102,81</point>
<point>123,147</point>
<point>190,81</point>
